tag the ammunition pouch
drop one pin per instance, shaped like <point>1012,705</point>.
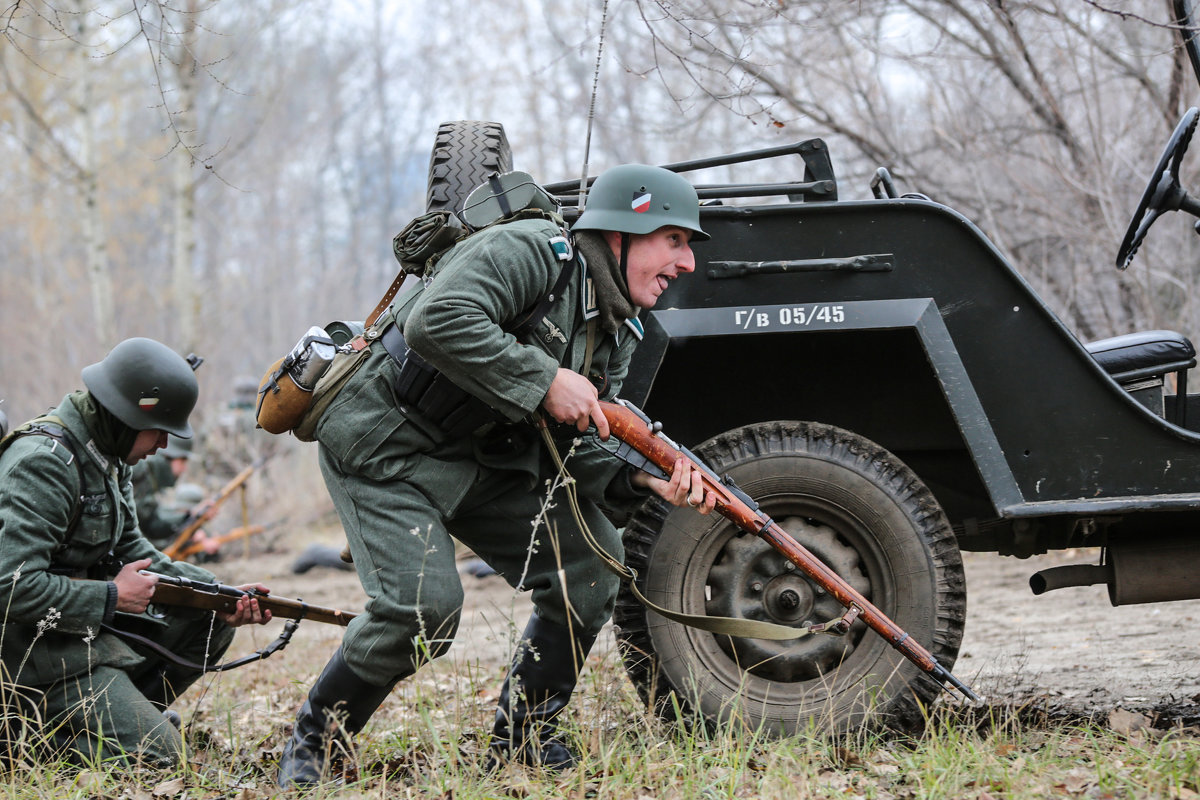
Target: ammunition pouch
<point>422,388</point>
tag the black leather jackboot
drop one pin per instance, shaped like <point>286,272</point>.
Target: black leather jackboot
<point>338,706</point>
<point>537,689</point>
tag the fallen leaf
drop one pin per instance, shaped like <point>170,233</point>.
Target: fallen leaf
<point>1127,722</point>
<point>1078,780</point>
<point>90,782</point>
<point>169,788</point>
<point>844,757</point>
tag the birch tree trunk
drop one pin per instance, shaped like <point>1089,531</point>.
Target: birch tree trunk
<point>99,270</point>
<point>188,300</point>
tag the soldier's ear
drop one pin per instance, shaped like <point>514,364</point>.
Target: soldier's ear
<point>613,238</point>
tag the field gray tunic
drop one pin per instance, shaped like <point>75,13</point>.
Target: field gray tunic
<point>402,489</point>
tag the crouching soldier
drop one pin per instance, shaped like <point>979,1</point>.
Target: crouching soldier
<point>70,555</point>
<point>470,466</point>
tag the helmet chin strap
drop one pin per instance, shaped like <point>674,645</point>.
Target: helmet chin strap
<point>624,264</point>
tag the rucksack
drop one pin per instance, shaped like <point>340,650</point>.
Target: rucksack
<point>295,390</point>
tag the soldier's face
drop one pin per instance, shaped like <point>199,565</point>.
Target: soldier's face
<point>146,443</point>
<point>655,259</point>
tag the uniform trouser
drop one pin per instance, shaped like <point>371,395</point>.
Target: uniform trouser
<point>113,711</point>
<point>404,554</point>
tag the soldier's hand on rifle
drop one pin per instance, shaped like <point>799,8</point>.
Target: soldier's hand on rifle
<point>573,398</point>
<point>134,590</point>
<point>685,486</point>
<point>210,544</point>
<point>248,610</point>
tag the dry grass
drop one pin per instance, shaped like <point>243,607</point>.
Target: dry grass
<point>428,739</point>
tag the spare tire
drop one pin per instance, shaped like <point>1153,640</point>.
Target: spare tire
<point>465,153</point>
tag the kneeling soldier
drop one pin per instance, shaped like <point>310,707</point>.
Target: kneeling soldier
<point>70,555</point>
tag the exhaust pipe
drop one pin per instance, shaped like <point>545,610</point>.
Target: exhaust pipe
<point>1072,575</point>
<point>1134,571</point>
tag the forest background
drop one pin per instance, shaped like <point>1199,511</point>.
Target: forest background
<point>221,175</point>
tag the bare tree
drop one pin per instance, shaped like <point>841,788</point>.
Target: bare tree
<point>1036,120</point>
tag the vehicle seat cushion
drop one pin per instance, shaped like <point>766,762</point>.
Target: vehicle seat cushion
<point>1143,354</point>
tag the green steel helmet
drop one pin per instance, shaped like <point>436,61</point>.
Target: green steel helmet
<point>177,447</point>
<point>3,424</point>
<point>636,198</point>
<point>188,495</point>
<point>146,385</point>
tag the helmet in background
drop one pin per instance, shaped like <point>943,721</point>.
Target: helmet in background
<point>177,447</point>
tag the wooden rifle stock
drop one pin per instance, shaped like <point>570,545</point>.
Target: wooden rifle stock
<point>172,591</point>
<point>196,516</point>
<point>630,425</point>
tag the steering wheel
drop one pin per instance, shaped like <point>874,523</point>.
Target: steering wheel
<point>1163,193</point>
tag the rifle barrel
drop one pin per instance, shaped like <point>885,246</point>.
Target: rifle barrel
<point>634,429</point>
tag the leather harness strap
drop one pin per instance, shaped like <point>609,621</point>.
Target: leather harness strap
<point>387,298</point>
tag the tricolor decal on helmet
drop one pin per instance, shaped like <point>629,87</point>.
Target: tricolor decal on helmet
<point>639,199</point>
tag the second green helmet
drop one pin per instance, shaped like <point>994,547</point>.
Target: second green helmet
<point>638,198</point>
<point>177,447</point>
<point>146,385</point>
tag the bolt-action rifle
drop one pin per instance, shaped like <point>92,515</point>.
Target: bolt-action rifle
<point>204,510</point>
<point>173,591</point>
<point>219,597</point>
<point>644,445</point>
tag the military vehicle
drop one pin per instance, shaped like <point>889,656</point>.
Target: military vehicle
<point>886,385</point>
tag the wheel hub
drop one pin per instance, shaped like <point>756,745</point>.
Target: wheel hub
<point>788,599</point>
<point>749,579</point>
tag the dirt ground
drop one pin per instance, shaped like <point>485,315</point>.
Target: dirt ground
<point>1071,647</point>
<point>1068,651</point>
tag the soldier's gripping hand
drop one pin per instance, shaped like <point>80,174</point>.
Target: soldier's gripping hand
<point>572,398</point>
<point>248,610</point>
<point>684,486</point>
<point>134,590</point>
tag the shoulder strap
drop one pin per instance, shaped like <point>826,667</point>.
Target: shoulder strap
<point>445,244</point>
<point>54,428</point>
<point>387,298</point>
<point>540,311</point>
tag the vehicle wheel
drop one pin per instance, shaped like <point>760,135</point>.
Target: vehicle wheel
<point>856,507</point>
<point>464,154</point>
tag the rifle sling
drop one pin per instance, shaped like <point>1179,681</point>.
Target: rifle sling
<point>258,655</point>
<point>727,626</point>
